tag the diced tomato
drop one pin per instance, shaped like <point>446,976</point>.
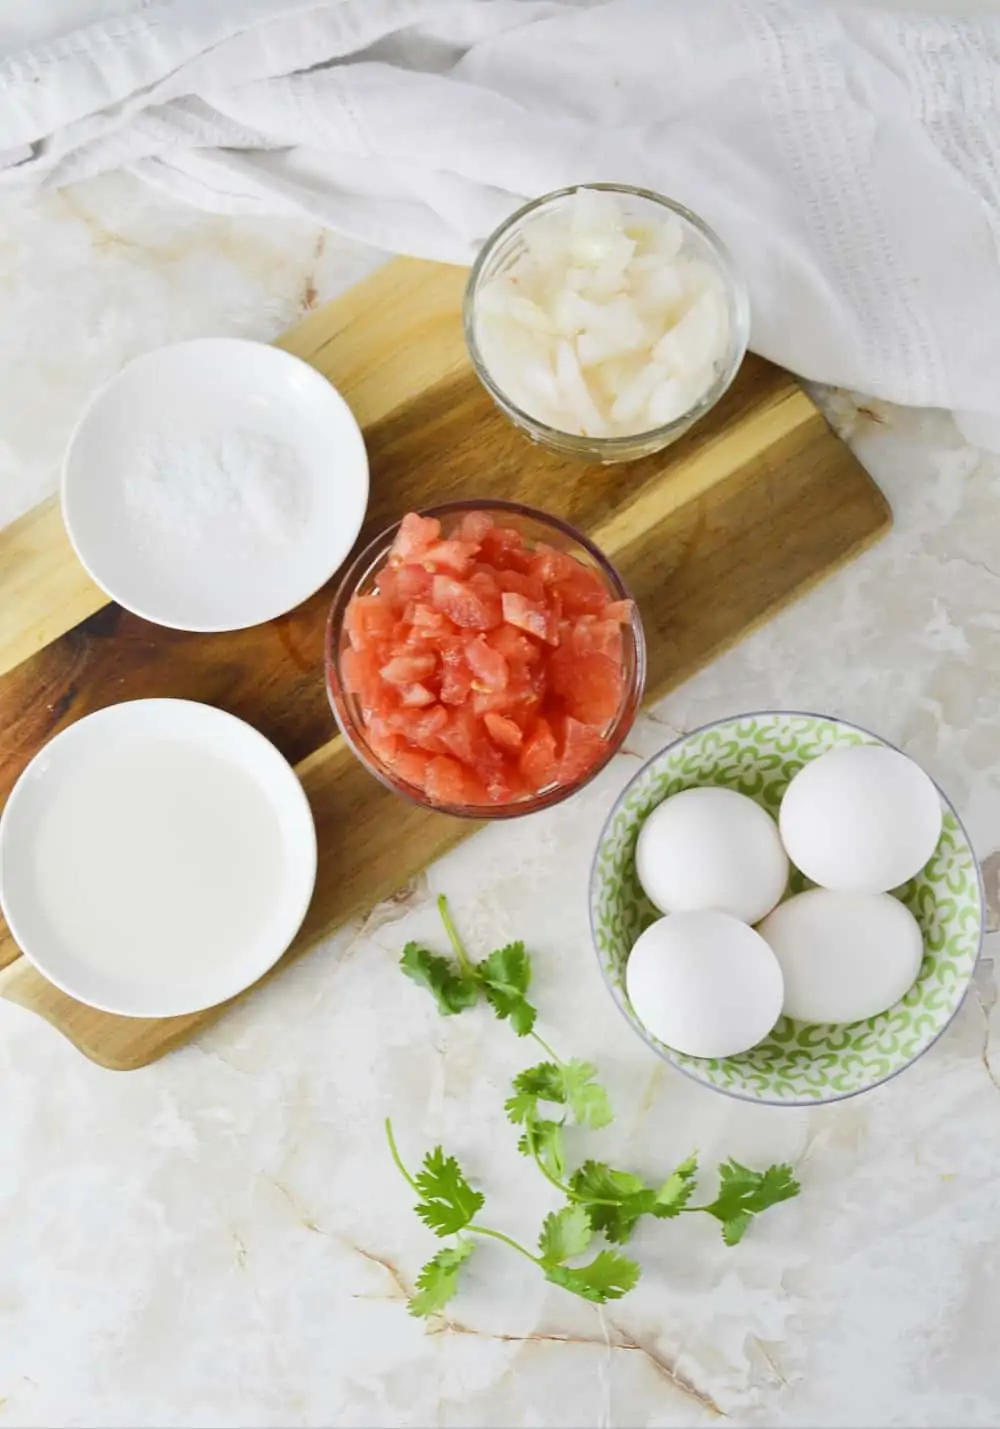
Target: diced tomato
<point>489,668</point>
<point>429,624</point>
<point>368,620</point>
<point>502,546</point>
<point>550,565</point>
<point>384,743</point>
<point>415,535</point>
<point>526,615</point>
<point>453,557</point>
<point>516,647</point>
<point>591,685</point>
<point>411,765</point>
<point>582,748</point>
<point>359,671</point>
<point>415,696</point>
<point>404,669</point>
<point>463,604</point>
<point>503,731</point>
<point>412,583</point>
<point>485,670</point>
<point>588,635</point>
<point>447,782</point>
<point>526,585</point>
<point>421,727</point>
<point>474,526</point>
<point>538,761</point>
<point>581,593</point>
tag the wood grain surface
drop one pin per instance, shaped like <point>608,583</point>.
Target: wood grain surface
<point>751,508</point>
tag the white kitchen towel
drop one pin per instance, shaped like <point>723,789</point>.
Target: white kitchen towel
<point>850,157</point>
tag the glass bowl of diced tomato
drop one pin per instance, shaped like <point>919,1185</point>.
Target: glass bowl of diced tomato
<point>484,659</point>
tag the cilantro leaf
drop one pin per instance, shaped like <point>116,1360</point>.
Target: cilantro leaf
<point>540,1083</point>
<point>544,1139</point>
<point>564,1234</point>
<point>743,1194</point>
<point>609,1276</point>
<point>438,1280</point>
<point>452,990</point>
<point>449,1202</point>
<point>676,1190</point>
<point>587,1099</point>
<point>504,977</point>
<point>614,1200</point>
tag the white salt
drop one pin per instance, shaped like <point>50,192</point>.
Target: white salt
<point>241,494</point>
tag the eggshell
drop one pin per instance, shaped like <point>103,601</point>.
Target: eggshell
<point>862,819</point>
<point>704,983</point>
<point>711,848</point>
<point>844,956</point>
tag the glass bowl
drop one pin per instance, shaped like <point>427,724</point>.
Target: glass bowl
<point>798,1063</point>
<point>535,526</point>
<point>506,245</point>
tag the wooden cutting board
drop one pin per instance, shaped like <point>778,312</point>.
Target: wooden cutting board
<point>714,535</point>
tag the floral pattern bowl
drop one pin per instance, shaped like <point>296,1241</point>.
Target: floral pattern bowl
<point>798,1064</point>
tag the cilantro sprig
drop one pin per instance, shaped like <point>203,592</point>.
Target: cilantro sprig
<point>600,1200</point>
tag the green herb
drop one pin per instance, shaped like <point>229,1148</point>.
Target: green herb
<point>600,1200</point>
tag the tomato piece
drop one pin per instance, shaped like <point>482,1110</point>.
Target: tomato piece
<point>421,727</point>
<point>415,535</point>
<point>526,585</point>
<point>503,731</point>
<point>489,667</point>
<point>453,557</point>
<point>415,696</point>
<point>516,647</point>
<point>583,747</point>
<point>550,565</point>
<point>582,593</point>
<point>620,610</point>
<point>503,547</point>
<point>411,765</point>
<point>526,615</point>
<point>359,670</point>
<point>406,668</point>
<point>463,604</point>
<point>368,620</point>
<point>383,742</point>
<point>538,763</point>
<point>589,635</point>
<point>429,624</point>
<point>474,526</point>
<point>446,782</point>
<point>591,685</point>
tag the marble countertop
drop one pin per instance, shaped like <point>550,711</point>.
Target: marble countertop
<point>221,1238</point>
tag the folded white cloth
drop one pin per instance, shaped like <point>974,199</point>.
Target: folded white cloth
<point>850,157</point>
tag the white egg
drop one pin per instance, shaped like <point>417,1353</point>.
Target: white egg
<point>711,848</point>
<point>862,819</point>
<point>704,983</point>
<point>844,956</point>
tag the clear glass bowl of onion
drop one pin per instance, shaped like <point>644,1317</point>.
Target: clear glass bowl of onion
<point>605,320</point>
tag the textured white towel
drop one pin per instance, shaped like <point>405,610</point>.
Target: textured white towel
<point>849,157</point>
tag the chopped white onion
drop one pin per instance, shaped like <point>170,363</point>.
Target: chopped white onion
<point>602,327</point>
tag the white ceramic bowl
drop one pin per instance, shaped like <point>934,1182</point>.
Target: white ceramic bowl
<point>183,550</point>
<point>156,858</point>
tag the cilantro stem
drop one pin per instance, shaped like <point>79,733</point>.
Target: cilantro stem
<point>561,1186</point>
<point>547,1049</point>
<point>397,1158</point>
<point>499,1235</point>
<point>458,947</point>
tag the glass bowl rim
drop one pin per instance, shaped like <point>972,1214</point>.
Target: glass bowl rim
<point>654,437</point>
<point>631,699</point>
<point>639,1031</point>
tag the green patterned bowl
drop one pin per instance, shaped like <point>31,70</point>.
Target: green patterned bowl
<point>799,1064</point>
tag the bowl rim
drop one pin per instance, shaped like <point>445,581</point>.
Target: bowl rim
<point>655,437</point>
<point>743,1096</point>
<point>631,702</point>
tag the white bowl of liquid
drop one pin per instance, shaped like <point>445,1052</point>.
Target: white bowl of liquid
<point>156,858</point>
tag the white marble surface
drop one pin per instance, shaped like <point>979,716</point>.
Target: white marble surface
<point>221,1239</point>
